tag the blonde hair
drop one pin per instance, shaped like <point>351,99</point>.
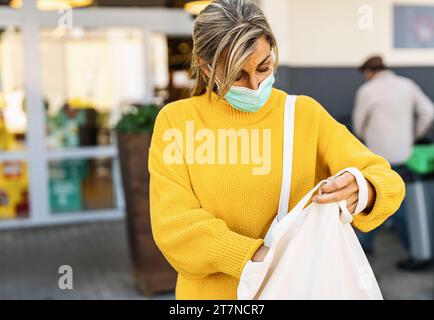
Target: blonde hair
<point>232,25</point>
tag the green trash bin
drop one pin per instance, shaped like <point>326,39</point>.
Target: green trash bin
<point>422,159</point>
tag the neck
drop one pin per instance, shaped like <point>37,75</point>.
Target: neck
<point>221,108</point>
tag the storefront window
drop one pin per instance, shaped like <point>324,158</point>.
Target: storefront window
<point>88,76</point>
<point>80,185</point>
<point>13,117</point>
<point>179,50</point>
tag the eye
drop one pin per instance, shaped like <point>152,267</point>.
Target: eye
<point>240,76</point>
<point>262,70</point>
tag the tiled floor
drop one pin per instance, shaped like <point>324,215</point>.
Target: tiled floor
<point>97,253</point>
<point>30,258</point>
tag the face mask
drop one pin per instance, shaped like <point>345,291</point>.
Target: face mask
<point>249,100</point>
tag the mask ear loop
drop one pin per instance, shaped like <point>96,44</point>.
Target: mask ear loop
<point>216,83</point>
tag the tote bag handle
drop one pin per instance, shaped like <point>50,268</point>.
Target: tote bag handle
<point>363,194</point>
<point>288,146</point>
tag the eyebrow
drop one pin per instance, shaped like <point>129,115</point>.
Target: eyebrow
<point>263,61</point>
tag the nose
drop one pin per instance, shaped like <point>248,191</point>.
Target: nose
<point>254,83</point>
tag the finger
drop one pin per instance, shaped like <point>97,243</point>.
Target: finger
<point>337,195</point>
<point>338,183</point>
<point>352,208</point>
<point>352,199</point>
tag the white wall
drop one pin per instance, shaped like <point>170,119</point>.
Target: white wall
<point>327,33</point>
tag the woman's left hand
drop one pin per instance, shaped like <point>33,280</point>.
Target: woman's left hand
<point>344,187</point>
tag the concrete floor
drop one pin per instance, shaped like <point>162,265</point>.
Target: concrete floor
<point>396,284</point>
<point>97,253</point>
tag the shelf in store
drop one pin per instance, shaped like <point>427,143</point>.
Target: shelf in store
<point>65,218</point>
<point>109,151</point>
<point>13,155</point>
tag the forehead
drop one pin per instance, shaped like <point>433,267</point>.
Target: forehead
<point>262,50</point>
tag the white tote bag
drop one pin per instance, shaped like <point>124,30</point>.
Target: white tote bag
<point>314,252</point>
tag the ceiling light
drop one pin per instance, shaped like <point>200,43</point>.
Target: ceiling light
<point>195,7</point>
<point>51,5</point>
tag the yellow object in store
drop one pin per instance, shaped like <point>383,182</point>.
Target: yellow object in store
<point>7,139</point>
<point>50,5</point>
<point>79,103</point>
<point>195,7</point>
<point>13,184</point>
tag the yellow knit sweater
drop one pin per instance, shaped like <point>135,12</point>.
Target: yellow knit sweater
<point>210,211</point>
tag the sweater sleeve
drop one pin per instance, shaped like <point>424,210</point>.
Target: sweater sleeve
<point>192,239</point>
<point>338,149</point>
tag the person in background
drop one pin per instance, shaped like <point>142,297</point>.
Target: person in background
<point>391,112</point>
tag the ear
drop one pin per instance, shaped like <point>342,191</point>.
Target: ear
<point>204,67</point>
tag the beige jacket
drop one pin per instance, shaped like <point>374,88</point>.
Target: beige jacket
<point>390,113</point>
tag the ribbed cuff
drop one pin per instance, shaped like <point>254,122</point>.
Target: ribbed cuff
<point>383,206</point>
<point>231,252</point>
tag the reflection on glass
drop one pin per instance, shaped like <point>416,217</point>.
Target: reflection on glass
<point>13,119</point>
<point>77,185</point>
<point>14,183</point>
<point>88,75</point>
<point>72,127</point>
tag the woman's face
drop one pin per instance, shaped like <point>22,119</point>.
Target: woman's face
<point>258,66</point>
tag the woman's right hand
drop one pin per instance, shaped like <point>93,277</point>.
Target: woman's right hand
<point>260,254</point>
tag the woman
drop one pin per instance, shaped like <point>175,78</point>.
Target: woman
<point>211,207</point>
